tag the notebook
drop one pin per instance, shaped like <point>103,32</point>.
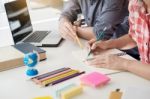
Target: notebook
<point>21,27</point>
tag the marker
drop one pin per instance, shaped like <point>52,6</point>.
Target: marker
<point>100,36</point>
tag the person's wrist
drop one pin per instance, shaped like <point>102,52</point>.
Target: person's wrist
<point>111,43</point>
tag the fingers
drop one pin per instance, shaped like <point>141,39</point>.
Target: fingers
<point>67,30</point>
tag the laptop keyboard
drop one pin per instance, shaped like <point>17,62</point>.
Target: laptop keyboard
<point>37,36</point>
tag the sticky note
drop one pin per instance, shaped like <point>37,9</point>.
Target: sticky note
<point>70,93</point>
<point>94,79</point>
<point>45,97</point>
<point>115,95</point>
<point>59,91</point>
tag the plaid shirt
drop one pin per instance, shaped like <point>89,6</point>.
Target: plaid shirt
<point>139,21</point>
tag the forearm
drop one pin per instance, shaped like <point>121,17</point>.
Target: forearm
<point>138,68</point>
<point>124,42</point>
<point>85,32</point>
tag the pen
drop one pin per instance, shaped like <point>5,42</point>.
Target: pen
<point>100,36</point>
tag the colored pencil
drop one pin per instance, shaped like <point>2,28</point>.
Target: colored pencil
<point>66,78</point>
<point>50,73</point>
<point>49,77</point>
<point>59,77</point>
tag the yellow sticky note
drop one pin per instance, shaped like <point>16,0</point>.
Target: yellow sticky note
<point>45,97</point>
<point>71,92</point>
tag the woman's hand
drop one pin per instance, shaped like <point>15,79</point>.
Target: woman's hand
<point>109,62</point>
<point>98,46</point>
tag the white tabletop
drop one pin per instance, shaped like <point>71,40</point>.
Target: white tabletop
<point>14,84</point>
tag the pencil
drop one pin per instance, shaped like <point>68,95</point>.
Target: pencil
<point>58,77</point>
<point>66,78</point>
<point>79,42</point>
<point>50,73</point>
<point>100,36</point>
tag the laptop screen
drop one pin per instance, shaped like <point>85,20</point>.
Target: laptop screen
<point>19,19</point>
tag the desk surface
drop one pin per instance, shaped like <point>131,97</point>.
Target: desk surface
<point>14,84</point>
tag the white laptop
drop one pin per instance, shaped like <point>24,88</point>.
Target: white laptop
<point>21,27</point>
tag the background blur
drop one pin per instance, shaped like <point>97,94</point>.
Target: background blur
<point>41,11</point>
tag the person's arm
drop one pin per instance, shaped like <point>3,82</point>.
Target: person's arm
<point>71,10</point>
<point>85,33</point>
<point>138,68</point>
<point>124,42</point>
<point>110,17</point>
<point>68,16</point>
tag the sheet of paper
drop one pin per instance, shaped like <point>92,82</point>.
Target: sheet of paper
<point>136,93</point>
<point>82,55</point>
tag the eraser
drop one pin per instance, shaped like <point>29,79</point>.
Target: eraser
<point>94,79</point>
<point>59,91</point>
<point>45,97</point>
<point>71,92</point>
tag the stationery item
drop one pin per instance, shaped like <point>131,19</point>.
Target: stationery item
<point>50,73</point>
<point>66,78</point>
<point>45,97</point>
<point>10,58</point>
<point>70,93</point>
<point>100,36</point>
<point>56,76</point>
<point>51,76</point>
<point>49,81</point>
<point>136,92</point>
<point>27,48</point>
<point>59,91</point>
<point>116,94</point>
<point>79,42</point>
<point>94,79</point>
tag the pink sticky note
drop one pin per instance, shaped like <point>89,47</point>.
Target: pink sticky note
<point>94,79</point>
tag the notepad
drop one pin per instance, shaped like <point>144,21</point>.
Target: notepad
<point>95,79</point>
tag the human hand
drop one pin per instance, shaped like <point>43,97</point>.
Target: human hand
<point>108,61</point>
<point>97,46</point>
<point>67,30</point>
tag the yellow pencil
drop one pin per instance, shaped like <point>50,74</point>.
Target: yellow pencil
<point>59,77</point>
<point>79,42</point>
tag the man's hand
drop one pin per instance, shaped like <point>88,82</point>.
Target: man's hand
<point>67,30</point>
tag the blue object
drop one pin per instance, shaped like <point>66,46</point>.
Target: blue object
<point>32,72</point>
<point>31,60</point>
